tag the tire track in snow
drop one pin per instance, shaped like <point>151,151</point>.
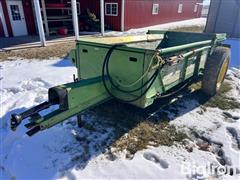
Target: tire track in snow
<point>13,95</point>
<point>155,159</point>
<point>25,94</point>
<point>235,138</point>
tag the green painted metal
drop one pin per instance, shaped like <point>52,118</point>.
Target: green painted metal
<point>77,99</point>
<point>73,56</point>
<point>72,98</point>
<point>183,47</point>
<point>179,56</point>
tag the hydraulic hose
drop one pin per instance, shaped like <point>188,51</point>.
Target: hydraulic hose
<point>105,67</point>
<point>148,83</point>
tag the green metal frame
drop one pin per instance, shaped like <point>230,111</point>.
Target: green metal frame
<point>190,50</point>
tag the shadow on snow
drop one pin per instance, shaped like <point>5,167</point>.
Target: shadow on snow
<point>105,124</point>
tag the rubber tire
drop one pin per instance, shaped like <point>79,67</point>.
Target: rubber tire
<point>212,69</point>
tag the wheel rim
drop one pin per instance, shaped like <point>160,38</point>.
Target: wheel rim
<point>222,72</point>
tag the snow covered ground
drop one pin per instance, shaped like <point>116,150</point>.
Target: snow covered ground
<point>67,152</point>
<point>56,153</point>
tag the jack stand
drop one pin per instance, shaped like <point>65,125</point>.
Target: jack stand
<point>79,121</point>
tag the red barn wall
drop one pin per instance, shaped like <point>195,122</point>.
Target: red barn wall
<point>94,5</point>
<point>29,17</point>
<point>138,13</point>
<point>114,21</point>
<point>5,12</point>
<point>28,13</point>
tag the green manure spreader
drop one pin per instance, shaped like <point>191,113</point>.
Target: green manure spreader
<point>132,69</point>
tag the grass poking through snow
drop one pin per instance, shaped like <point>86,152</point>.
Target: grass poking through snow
<point>59,50</point>
<point>190,29</point>
<point>220,100</point>
<point>148,133</point>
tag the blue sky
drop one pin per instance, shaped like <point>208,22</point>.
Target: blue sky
<point>206,2</point>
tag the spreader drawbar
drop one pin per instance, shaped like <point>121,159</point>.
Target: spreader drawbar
<point>72,98</point>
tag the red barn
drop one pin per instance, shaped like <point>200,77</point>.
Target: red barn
<point>17,17</point>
